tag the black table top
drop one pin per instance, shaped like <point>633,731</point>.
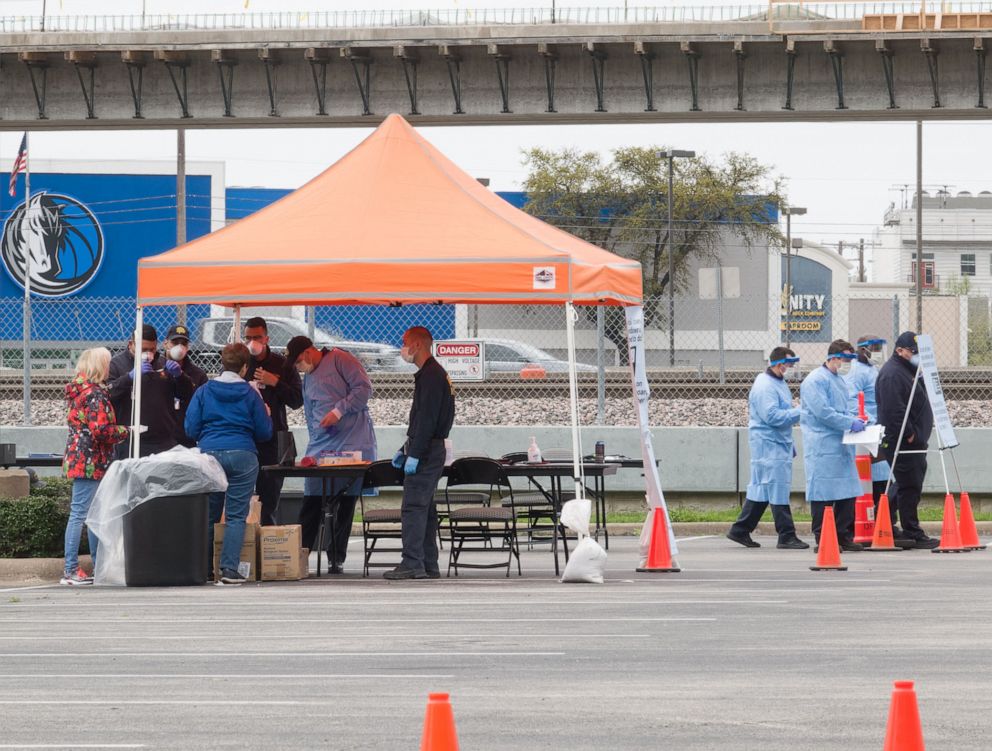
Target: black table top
<point>42,460</point>
<point>522,469</point>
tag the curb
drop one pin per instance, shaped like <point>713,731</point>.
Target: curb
<point>28,571</point>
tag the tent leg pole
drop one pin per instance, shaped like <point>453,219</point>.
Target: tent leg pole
<point>573,397</point>
<point>236,326</point>
<point>136,386</point>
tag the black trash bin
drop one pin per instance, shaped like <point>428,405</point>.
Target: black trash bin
<point>165,542</point>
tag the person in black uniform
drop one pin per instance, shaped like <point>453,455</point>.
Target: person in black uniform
<point>159,392</point>
<point>192,377</point>
<point>280,387</point>
<point>892,389</point>
<point>422,457</point>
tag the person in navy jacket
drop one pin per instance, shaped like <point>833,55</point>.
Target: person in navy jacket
<point>227,418</point>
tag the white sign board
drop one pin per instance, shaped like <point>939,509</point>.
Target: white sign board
<point>928,368</point>
<point>464,359</point>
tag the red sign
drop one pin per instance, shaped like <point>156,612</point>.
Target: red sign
<point>457,350</point>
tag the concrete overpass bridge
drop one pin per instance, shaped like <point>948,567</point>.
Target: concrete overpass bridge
<point>768,62</point>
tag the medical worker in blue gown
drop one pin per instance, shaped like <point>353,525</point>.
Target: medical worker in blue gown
<point>336,391</point>
<point>831,477</point>
<point>771,418</point>
<point>864,373</point>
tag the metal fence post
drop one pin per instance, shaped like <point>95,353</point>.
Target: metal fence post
<point>895,317</point>
<point>719,314</point>
<point>600,366</point>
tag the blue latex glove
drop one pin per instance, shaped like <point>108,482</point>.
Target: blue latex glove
<point>857,426</point>
<point>398,458</point>
<point>410,468</point>
<point>146,367</point>
<point>173,368</point>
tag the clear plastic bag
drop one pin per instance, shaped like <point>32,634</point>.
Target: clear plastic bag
<point>587,562</point>
<point>131,482</point>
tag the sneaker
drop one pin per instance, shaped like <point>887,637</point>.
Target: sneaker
<point>76,579</point>
<point>926,543</point>
<point>852,547</point>
<point>794,544</point>
<point>230,576</point>
<point>744,539</point>
<point>433,574</point>
<point>402,572</point>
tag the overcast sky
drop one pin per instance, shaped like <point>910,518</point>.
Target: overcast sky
<point>845,174</point>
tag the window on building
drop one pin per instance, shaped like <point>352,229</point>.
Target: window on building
<point>967,264</point>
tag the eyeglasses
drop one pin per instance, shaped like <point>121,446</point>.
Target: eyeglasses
<point>869,343</point>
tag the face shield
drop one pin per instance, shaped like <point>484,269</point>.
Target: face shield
<point>787,361</point>
<point>874,350</point>
<point>845,359</point>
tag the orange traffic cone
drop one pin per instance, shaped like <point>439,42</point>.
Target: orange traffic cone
<point>659,551</point>
<point>904,732</point>
<point>950,535</point>
<point>439,725</point>
<point>882,538</point>
<point>969,532</point>
<point>828,556</point>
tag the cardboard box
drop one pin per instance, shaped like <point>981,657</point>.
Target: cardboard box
<point>304,563</point>
<point>254,512</point>
<point>248,559</point>
<point>279,550</point>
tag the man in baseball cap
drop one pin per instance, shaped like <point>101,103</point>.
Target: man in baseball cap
<point>189,379</point>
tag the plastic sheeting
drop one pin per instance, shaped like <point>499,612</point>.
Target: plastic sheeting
<point>131,482</point>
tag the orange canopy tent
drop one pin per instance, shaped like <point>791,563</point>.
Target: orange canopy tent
<point>394,221</point>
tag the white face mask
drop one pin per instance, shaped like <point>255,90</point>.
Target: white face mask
<point>304,367</point>
<point>178,352</point>
<point>255,348</point>
<point>845,367</point>
<point>147,357</point>
<point>877,358</point>
<point>915,361</point>
<point>406,354</point>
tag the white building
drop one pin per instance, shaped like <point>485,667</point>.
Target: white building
<point>957,244</point>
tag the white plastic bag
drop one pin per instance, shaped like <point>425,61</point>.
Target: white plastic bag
<point>131,482</point>
<point>587,562</point>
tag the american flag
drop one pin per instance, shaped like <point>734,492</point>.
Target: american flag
<point>20,164</point>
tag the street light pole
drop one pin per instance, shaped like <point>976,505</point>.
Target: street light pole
<point>789,211</point>
<point>671,155</point>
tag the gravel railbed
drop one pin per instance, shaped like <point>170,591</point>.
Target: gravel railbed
<point>494,411</point>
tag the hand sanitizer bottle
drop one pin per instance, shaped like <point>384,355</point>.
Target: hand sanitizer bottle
<point>533,452</point>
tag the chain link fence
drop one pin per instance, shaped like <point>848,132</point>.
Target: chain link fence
<point>720,343</point>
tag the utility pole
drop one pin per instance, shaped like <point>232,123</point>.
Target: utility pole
<point>861,260</point>
<point>181,204</point>
<point>919,227</point>
<point>671,155</point>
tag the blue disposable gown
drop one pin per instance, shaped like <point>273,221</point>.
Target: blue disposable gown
<point>338,382</point>
<point>862,378</point>
<point>830,471</point>
<point>769,435</point>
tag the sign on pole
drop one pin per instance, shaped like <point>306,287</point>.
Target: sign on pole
<point>464,359</point>
<point>931,379</point>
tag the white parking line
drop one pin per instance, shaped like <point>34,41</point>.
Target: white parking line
<point>104,655</point>
<point>338,604</point>
<point>25,589</point>
<point>323,636</point>
<point>72,745</point>
<point>693,539</point>
<point>360,620</point>
<point>235,676</point>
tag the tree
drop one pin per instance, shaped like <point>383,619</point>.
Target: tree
<point>621,206</point>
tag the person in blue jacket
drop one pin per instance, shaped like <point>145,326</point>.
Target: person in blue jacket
<point>831,476</point>
<point>864,373</point>
<point>227,418</point>
<point>771,418</point>
<point>336,391</point>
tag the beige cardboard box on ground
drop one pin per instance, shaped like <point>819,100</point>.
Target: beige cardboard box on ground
<point>248,559</point>
<point>281,553</point>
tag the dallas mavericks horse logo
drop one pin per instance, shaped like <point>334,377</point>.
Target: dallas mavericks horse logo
<point>62,238</point>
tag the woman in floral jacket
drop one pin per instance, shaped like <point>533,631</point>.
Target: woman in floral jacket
<point>93,432</point>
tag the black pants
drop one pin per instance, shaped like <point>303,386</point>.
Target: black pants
<point>751,513</point>
<point>344,517</point>
<point>908,474</point>
<point>843,519</point>
<point>419,512</point>
<point>268,486</point>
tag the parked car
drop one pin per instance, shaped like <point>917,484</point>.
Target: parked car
<point>213,333</point>
<point>510,356</point>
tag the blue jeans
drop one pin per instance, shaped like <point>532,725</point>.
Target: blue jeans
<point>241,468</point>
<point>82,496</point>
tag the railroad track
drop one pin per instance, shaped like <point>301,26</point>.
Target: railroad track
<point>664,385</point>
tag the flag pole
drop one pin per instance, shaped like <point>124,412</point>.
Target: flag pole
<point>27,288</point>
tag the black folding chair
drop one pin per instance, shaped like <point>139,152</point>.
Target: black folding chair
<point>461,498</point>
<point>478,529</point>
<point>380,523</point>
<point>534,506</point>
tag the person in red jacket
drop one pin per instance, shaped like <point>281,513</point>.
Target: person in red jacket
<point>93,433</point>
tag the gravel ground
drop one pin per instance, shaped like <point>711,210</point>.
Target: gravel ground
<point>492,411</point>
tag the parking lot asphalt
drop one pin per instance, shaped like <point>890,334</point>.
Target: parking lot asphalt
<point>744,649</point>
